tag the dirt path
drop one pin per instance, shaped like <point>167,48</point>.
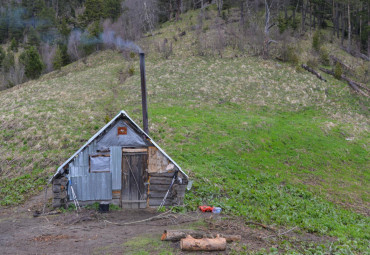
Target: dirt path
<point>90,233</point>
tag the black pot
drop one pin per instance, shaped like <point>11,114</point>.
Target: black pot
<point>104,207</point>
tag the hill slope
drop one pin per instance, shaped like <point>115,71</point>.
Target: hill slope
<point>261,139</point>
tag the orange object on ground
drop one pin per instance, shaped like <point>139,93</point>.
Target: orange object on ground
<point>206,208</point>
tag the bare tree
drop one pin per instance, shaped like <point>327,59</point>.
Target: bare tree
<point>349,27</point>
<point>47,54</point>
<point>74,41</point>
<point>368,34</point>
<point>268,26</point>
<point>142,16</point>
<point>220,4</point>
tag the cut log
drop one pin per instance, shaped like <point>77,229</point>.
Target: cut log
<point>205,244</point>
<point>358,87</point>
<point>306,67</point>
<point>356,54</point>
<point>232,238</point>
<point>337,60</point>
<point>177,235</point>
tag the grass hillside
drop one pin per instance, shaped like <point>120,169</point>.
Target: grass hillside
<point>263,140</point>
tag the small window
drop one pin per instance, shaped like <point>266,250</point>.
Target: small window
<point>99,163</point>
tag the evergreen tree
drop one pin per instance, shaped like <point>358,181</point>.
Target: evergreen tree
<point>30,58</point>
<point>94,11</point>
<point>58,59</point>
<point>46,24</point>
<point>15,24</point>
<point>65,57</point>
<point>33,38</point>
<point>112,9</point>
<point>64,29</point>
<point>4,25</point>
<point>14,45</point>
<point>8,61</point>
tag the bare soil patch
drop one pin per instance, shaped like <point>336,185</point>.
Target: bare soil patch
<point>90,232</point>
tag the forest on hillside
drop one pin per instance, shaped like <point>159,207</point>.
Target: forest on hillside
<point>37,37</point>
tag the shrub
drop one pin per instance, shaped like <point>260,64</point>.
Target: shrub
<point>131,71</point>
<point>312,62</point>
<point>316,40</point>
<point>282,24</point>
<point>294,23</point>
<point>65,56</point>
<point>58,59</point>
<point>8,61</point>
<point>224,16</point>
<point>292,55</point>
<point>33,38</point>
<point>338,71</point>
<point>14,45</point>
<point>324,57</point>
<point>289,54</point>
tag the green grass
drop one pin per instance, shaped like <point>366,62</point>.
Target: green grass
<point>271,166</point>
<point>145,245</point>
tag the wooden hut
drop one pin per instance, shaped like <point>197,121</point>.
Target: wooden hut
<point>120,164</point>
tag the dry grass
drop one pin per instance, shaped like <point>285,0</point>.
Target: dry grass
<point>44,121</point>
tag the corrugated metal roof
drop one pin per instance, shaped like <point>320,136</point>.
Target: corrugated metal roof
<point>120,114</point>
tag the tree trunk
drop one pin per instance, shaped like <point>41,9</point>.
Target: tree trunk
<point>368,33</point>
<point>170,9</point>
<point>303,15</point>
<point>343,26</point>
<point>333,18</point>
<point>337,20</point>
<point>177,235</point>
<point>349,27</point>
<point>205,244</point>
<point>310,16</point>
<point>266,39</point>
<point>314,17</point>
<point>220,4</point>
<point>318,75</point>
<point>178,11</point>
<point>295,10</point>
<point>242,21</point>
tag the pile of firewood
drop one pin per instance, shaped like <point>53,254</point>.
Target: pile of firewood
<point>191,240</point>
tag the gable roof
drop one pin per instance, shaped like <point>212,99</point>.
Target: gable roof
<point>122,114</point>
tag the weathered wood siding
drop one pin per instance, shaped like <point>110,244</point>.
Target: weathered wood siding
<point>134,177</point>
<point>157,162</point>
<point>158,186</point>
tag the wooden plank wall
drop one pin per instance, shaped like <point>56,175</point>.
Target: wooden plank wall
<point>158,186</point>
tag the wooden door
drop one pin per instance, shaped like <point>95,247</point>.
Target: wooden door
<point>134,177</point>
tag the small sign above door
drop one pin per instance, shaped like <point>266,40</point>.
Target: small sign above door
<point>122,130</point>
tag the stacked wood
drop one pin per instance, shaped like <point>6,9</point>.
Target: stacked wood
<point>306,67</point>
<point>205,244</point>
<point>177,235</point>
<point>159,183</point>
<point>356,86</point>
<point>60,192</point>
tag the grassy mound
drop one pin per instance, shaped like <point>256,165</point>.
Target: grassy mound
<point>261,139</point>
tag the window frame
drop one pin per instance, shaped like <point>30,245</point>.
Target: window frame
<point>96,156</point>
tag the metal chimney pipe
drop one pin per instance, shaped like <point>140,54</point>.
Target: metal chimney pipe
<point>143,93</point>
